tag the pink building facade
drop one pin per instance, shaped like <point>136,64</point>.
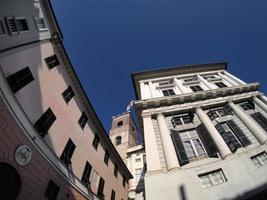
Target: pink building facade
<point>52,144</point>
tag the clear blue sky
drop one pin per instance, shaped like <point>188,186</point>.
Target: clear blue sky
<point>107,40</point>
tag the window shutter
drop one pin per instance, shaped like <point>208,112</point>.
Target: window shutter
<point>219,128</point>
<point>179,147</point>
<point>239,133</point>
<point>207,141</point>
<point>191,115</point>
<point>228,110</point>
<point>260,119</point>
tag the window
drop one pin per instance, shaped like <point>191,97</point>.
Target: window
<point>52,61</point>
<point>248,105</point>
<point>168,92</point>
<point>260,119</point>
<point>96,141</point>
<point>220,84</point>
<point>123,181</point>
<point>120,123</point>
<point>216,113</point>
<point>101,188</point>
<point>116,170</point>
<point>83,119</point>
<point>51,191</point>
<point>118,140</point>
<point>182,119</point>
<point>113,194</point>
<point>166,83</point>
<point>232,135</point>
<point>210,77</point>
<point>40,23</point>
<point>212,178</point>
<point>192,79</point>
<point>196,88</point>
<point>259,159</point>
<point>137,175</point>
<point>192,144</point>
<point>43,124</point>
<point>17,25</point>
<point>2,28</point>
<point>86,174</point>
<point>106,158</point>
<point>67,153</point>
<point>138,160</point>
<point>68,94</point>
<point>20,79</point>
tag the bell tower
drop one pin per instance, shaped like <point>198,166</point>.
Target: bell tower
<point>123,133</point>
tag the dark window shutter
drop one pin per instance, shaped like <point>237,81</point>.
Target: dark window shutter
<point>260,119</point>
<point>191,115</point>
<point>179,147</point>
<point>86,174</point>
<point>171,92</point>
<point>43,124</point>
<point>207,141</point>
<point>219,128</point>
<point>228,110</point>
<point>239,133</point>
<point>165,93</point>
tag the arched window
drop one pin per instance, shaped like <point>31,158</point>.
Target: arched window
<point>120,123</point>
<point>10,184</point>
<point>118,140</point>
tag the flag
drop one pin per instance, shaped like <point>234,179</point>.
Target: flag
<point>130,105</point>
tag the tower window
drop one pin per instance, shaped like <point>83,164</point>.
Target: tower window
<point>96,141</point>
<point>120,123</point>
<point>118,140</point>
<point>168,92</point>
<point>86,174</point>
<point>116,170</point>
<point>123,181</point>
<point>67,153</point>
<point>248,105</point>
<point>20,79</point>
<point>113,194</point>
<point>45,122</point>
<point>101,188</point>
<point>106,158</point>
<point>83,119</point>
<point>220,84</point>
<point>196,88</point>
<point>51,191</point>
<point>52,61</point>
<point>68,94</point>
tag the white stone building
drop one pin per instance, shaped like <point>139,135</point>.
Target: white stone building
<point>124,136</point>
<point>205,133</point>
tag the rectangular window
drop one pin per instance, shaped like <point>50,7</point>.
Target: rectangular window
<point>68,94</point>
<point>168,92</point>
<point>220,85</point>
<point>106,158</point>
<point>2,28</point>
<point>247,105</point>
<point>20,79</point>
<point>101,188</point>
<point>43,124</point>
<point>196,88</point>
<point>40,24</point>
<point>212,178</point>
<point>182,119</point>
<point>113,194</point>
<point>17,24</point>
<point>137,175</point>
<point>216,113</point>
<point>138,160</point>
<point>51,191</point>
<point>83,119</point>
<point>52,61</point>
<point>96,141</point>
<point>191,80</point>
<point>259,159</point>
<point>260,119</point>
<point>116,170</point>
<point>68,152</point>
<point>86,174</point>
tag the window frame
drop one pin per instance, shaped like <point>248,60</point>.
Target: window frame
<point>36,24</point>
<point>169,92</point>
<point>15,24</point>
<point>96,141</point>
<point>51,187</point>
<point>2,25</point>
<point>68,94</point>
<point>67,154</point>
<point>220,84</point>
<point>55,62</point>
<point>211,178</point>
<point>83,120</point>
<point>106,157</point>
<point>258,159</point>
<point>199,88</point>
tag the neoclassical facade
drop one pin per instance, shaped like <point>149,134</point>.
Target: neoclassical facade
<point>205,133</point>
<point>52,144</point>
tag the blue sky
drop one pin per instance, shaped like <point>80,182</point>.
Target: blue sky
<point>107,40</point>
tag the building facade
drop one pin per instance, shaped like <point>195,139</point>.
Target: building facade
<point>205,133</point>
<point>124,136</point>
<point>52,144</point>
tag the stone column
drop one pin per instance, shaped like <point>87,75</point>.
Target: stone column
<point>260,103</point>
<point>215,135</point>
<point>206,83</point>
<point>233,83</point>
<point>263,98</point>
<point>239,81</point>
<point>249,123</point>
<point>152,154</point>
<point>168,147</point>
